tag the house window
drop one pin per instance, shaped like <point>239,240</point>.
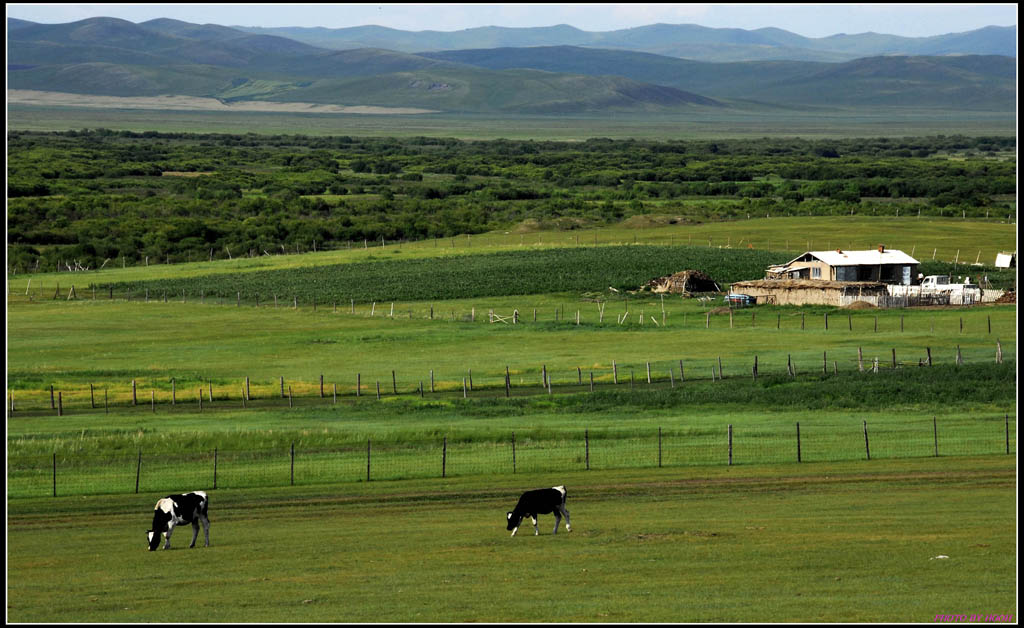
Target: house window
<point>815,272</point>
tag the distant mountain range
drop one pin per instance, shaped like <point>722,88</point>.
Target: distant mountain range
<point>112,57</point>
<point>686,41</point>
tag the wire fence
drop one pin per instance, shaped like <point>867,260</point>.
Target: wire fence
<point>63,474</point>
<point>196,394</point>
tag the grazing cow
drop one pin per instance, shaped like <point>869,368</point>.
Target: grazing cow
<point>540,502</point>
<point>175,510</point>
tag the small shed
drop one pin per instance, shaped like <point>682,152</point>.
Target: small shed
<point>684,282</point>
<point>811,291</point>
<point>1006,260</point>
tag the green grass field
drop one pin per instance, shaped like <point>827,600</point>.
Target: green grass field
<point>861,122</point>
<point>928,239</point>
<point>835,538</point>
<point>878,541</point>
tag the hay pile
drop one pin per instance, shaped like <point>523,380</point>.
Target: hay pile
<point>859,305</point>
<point>683,282</point>
<point>1008,297</point>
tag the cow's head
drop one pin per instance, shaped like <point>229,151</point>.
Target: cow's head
<point>160,521</point>
<point>514,521</point>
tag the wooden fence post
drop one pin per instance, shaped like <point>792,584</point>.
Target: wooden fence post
<point>730,444</point>
<point>367,459</point>
<point>293,464</point>
<point>935,435</point>
<point>214,467</point>
<point>659,447</point>
<point>54,474</point>
<point>513,452</point>
<point>867,448</point>
<point>586,442</point>
<point>444,457</point>
<point>138,472</point>
<point>799,458</point>
<point>1006,419</point>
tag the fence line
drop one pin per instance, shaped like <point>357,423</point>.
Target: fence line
<point>486,239</point>
<point>83,474</point>
<point>501,383</point>
<point>583,314</point>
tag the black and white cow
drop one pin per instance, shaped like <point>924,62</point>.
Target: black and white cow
<point>176,510</point>
<point>540,502</point>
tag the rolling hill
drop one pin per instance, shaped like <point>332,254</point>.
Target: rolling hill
<point>112,57</point>
<point>973,82</point>
<point>688,41</point>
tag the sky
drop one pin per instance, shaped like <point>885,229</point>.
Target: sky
<point>809,20</point>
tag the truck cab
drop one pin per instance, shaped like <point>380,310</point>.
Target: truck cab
<point>934,281</point>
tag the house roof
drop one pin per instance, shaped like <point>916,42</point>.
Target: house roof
<point>871,257</point>
<point>800,284</point>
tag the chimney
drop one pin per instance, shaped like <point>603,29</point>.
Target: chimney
<point>881,248</point>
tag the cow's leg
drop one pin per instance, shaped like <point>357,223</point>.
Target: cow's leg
<point>206,528</point>
<point>167,535</point>
<point>565,511</point>
<point>536,530</point>
<point>558,519</point>
<point>195,532</point>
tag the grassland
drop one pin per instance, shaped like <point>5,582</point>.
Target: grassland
<point>861,541</point>
<point>782,123</point>
<point>834,538</point>
<point>940,239</point>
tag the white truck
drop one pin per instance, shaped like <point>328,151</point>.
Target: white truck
<point>965,293</point>
<point>942,283</point>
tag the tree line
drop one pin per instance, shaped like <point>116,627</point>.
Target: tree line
<point>96,195</point>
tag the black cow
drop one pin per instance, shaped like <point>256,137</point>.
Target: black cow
<point>540,502</point>
<point>175,510</point>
